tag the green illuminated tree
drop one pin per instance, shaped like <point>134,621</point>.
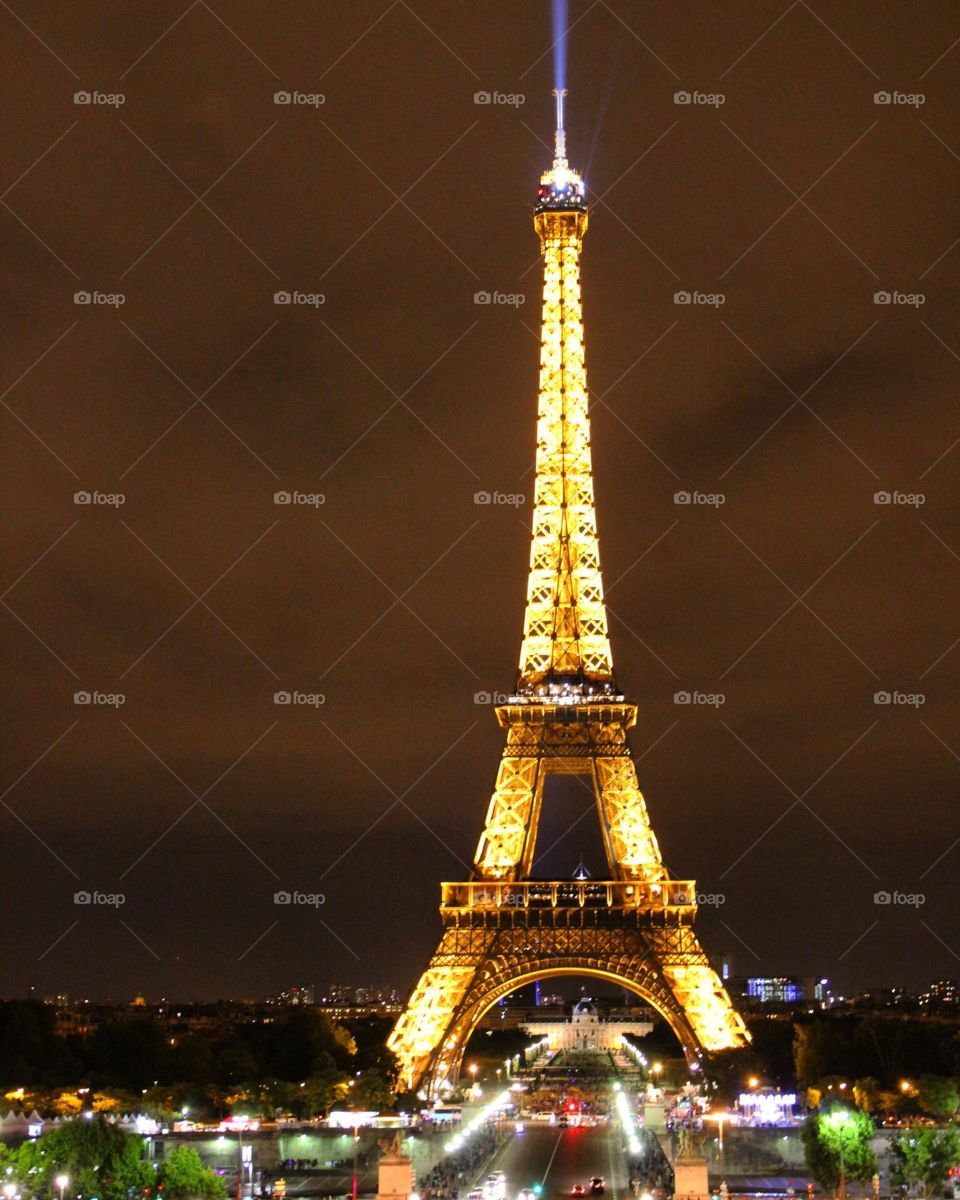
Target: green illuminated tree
<point>184,1177</point>
<point>938,1095</point>
<point>922,1157</point>
<point>101,1160</point>
<point>836,1145</point>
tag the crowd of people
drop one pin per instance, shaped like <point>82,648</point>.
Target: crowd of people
<point>452,1173</point>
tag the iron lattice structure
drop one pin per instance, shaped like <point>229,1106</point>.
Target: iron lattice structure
<point>503,928</point>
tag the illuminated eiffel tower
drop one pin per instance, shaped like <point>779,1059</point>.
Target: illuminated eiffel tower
<point>502,928</point>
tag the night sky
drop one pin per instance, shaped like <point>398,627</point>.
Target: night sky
<point>397,399</point>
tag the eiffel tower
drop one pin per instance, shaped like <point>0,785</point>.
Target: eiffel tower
<point>503,928</point>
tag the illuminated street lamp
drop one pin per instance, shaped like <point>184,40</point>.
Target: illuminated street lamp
<point>720,1118</point>
<point>753,1081</point>
<point>61,1181</point>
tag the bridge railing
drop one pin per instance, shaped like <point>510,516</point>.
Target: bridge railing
<point>605,894</point>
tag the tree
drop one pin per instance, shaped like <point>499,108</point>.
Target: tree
<point>837,1147</point>
<point>372,1090</point>
<point>866,1094</point>
<point>922,1158</point>
<point>937,1095</point>
<point>184,1177</point>
<point>100,1159</point>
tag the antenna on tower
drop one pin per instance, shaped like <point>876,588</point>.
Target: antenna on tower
<point>560,138</point>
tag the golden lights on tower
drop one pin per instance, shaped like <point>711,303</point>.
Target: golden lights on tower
<point>504,928</point>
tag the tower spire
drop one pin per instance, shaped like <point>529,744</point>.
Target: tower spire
<point>565,642</point>
<point>560,137</point>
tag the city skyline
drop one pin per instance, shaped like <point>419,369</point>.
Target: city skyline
<point>290,620</point>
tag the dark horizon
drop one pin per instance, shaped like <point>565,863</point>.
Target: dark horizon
<point>801,198</point>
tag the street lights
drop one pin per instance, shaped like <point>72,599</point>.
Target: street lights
<point>840,1119</point>
<point>61,1181</point>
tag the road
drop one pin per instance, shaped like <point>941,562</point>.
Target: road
<point>559,1158</point>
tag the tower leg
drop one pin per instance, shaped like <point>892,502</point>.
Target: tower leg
<point>506,844</point>
<point>434,1001</point>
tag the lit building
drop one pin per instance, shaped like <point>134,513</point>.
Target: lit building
<point>585,1029</point>
<point>786,989</point>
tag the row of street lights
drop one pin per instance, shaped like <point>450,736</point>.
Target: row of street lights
<point>10,1190</point>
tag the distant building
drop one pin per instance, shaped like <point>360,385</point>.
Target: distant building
<point>350,1000</point>
<point>585,1029</point>
<point>942,993</point>
<point>786,989</point>
<point>295,996</point>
